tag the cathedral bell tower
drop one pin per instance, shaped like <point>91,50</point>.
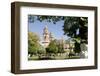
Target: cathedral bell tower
<point>46,37</point>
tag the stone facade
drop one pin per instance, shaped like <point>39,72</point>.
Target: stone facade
<point>46,37</point>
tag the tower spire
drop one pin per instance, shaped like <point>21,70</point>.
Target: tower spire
<point>46,36</point>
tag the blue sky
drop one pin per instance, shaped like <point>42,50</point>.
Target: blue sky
<point>55,29</point>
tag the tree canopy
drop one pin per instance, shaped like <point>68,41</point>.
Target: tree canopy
<point>52,48</point>
<point>76,28</point>
<point>33,43</point>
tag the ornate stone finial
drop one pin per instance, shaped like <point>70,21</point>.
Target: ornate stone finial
<point>45,30</point>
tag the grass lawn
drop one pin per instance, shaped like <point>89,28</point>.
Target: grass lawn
<point>53,58</point>
<point>74,57</point>
<point>33,58</point>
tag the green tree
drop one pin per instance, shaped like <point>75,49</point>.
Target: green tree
<point>53,19</point>
<point>52,48</point>
<point>41,50</point>
<point>33,43</point>
<point>77,47</point>
<point>76,28</point>
<point>60,46</point>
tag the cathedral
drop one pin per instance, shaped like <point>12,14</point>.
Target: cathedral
<point>47,37</point>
